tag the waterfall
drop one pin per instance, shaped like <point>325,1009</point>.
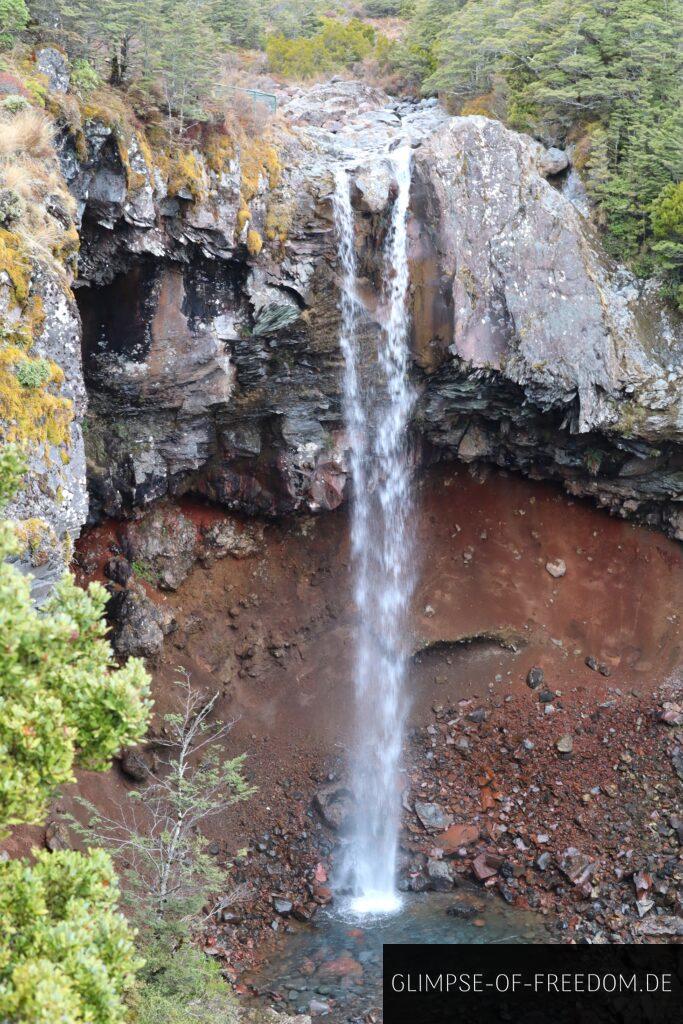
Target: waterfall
<point>377,414</point>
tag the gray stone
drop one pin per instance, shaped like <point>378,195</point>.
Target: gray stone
<point>577,866</point>
<point>552,161</point>
<point>57,836</point>
<point>163,543</point>
<point>432,816</point>
<point>133,764</point>
<point>556,568</point>
<point>137,624</point>
<point>462,909</point>
<point>477,716</point>
<point>119,570</point>
<point>53,64</point>
<point>334,804</point>
<point>282,906</point>
<point>440,875</point>
<point>565,746</point>
<point>543,861</point>
<point>234,538</point>
<point>534,678</point>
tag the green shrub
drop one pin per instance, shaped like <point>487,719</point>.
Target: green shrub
<point>33,373</point>
<point>14,18</point>
<point>84,78</point>
<point>183,986</point>
<point>144,572</point>
<point>62,699</point>
<point>335,46</point>
<point>12,469</point>
<point>66,954</point>
<point>13,103</point>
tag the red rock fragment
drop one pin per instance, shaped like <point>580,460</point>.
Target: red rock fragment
<point>342,967</point>
<point>482,868</point>
<point>456,836</point>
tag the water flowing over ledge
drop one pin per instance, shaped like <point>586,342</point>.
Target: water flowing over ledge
<point>377,418</point>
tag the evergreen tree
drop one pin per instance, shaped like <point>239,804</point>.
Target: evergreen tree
<point>239,22</point>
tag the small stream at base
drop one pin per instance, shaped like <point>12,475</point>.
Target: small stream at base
<point>336,964</point>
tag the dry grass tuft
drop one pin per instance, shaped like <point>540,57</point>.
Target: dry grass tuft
<point>31,178</point>
<point>27,132</point>
<point>29,169</point>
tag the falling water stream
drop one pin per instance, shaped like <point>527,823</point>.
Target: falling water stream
<point>377,414</point>
<point>378,402</point>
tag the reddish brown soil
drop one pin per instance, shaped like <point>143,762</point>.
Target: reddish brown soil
<point>274,633</point>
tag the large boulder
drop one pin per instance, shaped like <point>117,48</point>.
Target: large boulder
<point>162,544</point>
<point>137,624</point>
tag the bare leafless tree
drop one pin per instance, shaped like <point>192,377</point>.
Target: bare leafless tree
<point>156,836</point>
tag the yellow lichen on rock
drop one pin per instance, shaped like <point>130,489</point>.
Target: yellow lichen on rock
<point>279,216</point>
<point>219,150</point>
<point>15,265</point>
<point>108,107</point>
<point>254,242</point>
<point>243,217</point>
<point>36,539</point>
<point>259,165</point>
<point>186,174</point>
<point>32,414</point>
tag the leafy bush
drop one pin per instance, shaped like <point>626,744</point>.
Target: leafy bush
<point>183,986</point>
<point>12,468</point>
<point>66,954</point>
<point>84,77</point>
<point>14,18</point>
<point>33,373</point>
<point>62,699</point>
<point>337,45</point>
<point>14,103</point>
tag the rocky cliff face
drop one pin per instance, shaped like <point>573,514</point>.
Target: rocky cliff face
<point>210,315</point>
<point>540,355</point>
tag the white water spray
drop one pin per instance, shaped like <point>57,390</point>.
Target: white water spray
<point>377,416</point>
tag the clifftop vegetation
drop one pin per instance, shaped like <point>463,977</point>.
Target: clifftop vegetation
<point>602,78</point>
